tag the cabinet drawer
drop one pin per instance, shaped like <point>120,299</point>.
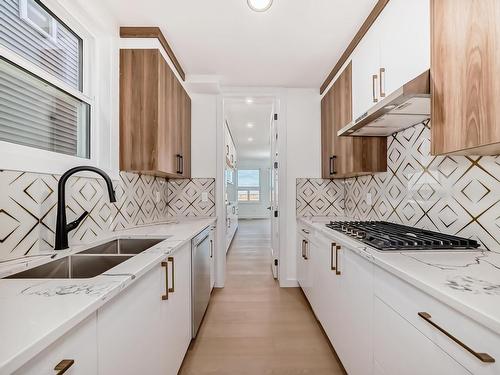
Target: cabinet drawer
<point>78,345</point>
<point>400,348</point>
<point>408,301</point>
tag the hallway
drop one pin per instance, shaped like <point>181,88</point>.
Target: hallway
<point>253,327</point>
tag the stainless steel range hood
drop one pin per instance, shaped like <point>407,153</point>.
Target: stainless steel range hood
<point>405,107</point>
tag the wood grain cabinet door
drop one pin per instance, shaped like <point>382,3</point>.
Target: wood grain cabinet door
<point>155,116</point>
<point>347,156</point>
<point>465,71</point>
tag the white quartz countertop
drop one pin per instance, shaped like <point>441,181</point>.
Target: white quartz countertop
<point>468,281</point>
<point>36,312</point>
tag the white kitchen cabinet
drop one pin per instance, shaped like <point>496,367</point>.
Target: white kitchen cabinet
<point>395,50</point>
<point>405,42</point>
<point>212,258</point>
<point>175,312</point>
<point>147,328</point>
<point>78,345</point>
<point>346,307</point>
<point>355,311</point>
<point>305,257</point>
<point>409,301</point>
<point>399,348</point>
<point>128,328</point>
<point>366,65</point>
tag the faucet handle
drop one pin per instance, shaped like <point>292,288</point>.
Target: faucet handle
<point>76,223</point>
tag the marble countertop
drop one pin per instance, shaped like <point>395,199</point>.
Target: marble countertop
<point>36,312</point>
<point>468,281</point>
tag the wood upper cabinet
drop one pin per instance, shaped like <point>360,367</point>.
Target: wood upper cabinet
<point>155,116</point>
<point>347,156</point>
<point>465,71</point>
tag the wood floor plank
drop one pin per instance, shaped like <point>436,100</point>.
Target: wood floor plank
<point>253,326</point>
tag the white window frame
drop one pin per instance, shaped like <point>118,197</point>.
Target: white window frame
<point>249,189</point>
<point>23,12</point>
<point>29,159</point>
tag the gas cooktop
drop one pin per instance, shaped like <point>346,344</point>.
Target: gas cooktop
<point>387,236</point>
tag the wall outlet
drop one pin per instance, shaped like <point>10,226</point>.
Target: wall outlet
<point>369,199</point>
<point>204,196</point>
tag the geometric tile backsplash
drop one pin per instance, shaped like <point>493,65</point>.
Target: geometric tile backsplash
<point>318,197</point>
<point>28,207</point>
<point>450,194</point>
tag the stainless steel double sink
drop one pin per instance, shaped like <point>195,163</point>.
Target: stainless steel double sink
<point>91,262</point>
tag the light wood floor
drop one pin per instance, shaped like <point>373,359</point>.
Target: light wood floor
<point>254,327</point>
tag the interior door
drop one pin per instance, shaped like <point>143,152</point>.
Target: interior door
<point>274,197</point>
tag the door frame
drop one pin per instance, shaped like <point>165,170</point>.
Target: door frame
<point>279,99</point>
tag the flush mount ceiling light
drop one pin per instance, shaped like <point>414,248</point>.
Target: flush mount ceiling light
<point>250,125</point>
<point>260,5</point>
<point>249,100</point>
<point>250,139</point>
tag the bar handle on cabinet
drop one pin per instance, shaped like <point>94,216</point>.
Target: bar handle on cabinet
<point>63,366</point>
<point>331,166</point>
<point>165,296</point>
<point>305,231</point>
<point>374,88</point>
<point>382,82</point>
<point>172,289</point>
<point>332,248</point>
<point>337,268</point>
<point>211,248</point>
<point>182,164</point>
<point>178,158</point>
<point>302,250</point>
<point>483,357</point>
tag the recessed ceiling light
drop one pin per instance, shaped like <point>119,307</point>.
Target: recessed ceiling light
<point>250,139</point>
<point>249,100</point>
<point>250,125</point>
<point>260,5</point>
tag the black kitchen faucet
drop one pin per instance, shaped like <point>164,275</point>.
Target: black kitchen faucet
<point>62,228</point>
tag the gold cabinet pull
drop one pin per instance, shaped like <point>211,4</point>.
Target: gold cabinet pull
<point>483,357</point>
<point>332,248</point>
<point>165,296</point>
<point>382,82</point>
<point>374,88</point>
<point>172,289</point>
<point>63,366</point>
<point>337,268</point>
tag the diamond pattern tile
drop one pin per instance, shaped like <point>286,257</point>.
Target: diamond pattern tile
<point>28,207</point>
<point>451,194</point>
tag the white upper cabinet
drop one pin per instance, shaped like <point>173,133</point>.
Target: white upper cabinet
<point>395,50</point>
<point>365,68</point>
<point>405,42</point>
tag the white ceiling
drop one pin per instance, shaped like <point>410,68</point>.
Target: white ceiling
<point>294,44</point>
<point>238,114</point>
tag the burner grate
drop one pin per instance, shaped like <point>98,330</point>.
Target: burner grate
<point>389,236</point>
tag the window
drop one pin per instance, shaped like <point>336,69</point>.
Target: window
<point>249,186</point>
<point>42,103</point>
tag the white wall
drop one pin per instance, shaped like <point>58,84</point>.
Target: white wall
<point>257,210</point>
<point>303,159</point>
<point>203,135</point>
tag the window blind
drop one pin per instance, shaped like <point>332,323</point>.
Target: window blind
<point>60,57</point>
<point>36,114</point>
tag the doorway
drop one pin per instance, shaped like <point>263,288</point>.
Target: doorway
<point>250,169</point>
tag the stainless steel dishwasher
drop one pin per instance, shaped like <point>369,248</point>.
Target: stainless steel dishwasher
<point>200,277</point>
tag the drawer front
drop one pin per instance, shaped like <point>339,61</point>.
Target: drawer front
<point>452,329</point>
<point>78,345</point>
<point>400,348</point>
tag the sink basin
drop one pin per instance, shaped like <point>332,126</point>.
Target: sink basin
<point>132,246</point>
<point>73,267</point>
